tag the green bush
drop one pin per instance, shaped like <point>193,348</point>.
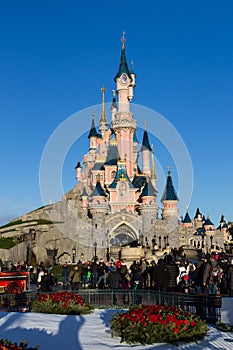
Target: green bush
<point>64,303</point>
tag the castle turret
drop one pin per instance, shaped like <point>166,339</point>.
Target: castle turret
<point>148,207</point>
<point>208,225</point>
<point>98,207</point>
<point>169,199</point>
<point>146,149</point>
<point>78,170</point>
<point>187,222</point>
<point>93,136</point>
<point>123,123</point>
<point>223,227</point>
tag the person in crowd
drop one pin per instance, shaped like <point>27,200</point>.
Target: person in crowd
<point>197,277</point>
<point>65,275</point>
<point>173,271</point>
<point>75,278</point>
<point>39,278</point>
<point>161,276</point>
<point>136,275</point>
<point>230,278</point>
<point>114,280</point>
<point>151,271</point>
<point>144,265</point>
<point>86,274</point>
<point>125,284</point>
<point>212,275</point>
<point>94,274</point>
<point>102,274</point>
<point>47,281</point>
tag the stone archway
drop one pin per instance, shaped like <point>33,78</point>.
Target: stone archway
<point>122,236</point>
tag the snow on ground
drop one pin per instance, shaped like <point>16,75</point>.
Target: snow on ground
<point>61,332</point>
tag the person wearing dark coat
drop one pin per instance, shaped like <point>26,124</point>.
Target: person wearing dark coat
<point>230,279</point>
<point>114,280</point>
<point>46,282</point>
<point>161,276</point>
<point>173,271</point>
<point>65,275</point>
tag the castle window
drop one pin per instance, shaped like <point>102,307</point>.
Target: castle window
<point>96,226</point>
<point>113,174</point>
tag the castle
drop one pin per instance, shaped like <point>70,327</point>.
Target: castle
<point>113,209</point>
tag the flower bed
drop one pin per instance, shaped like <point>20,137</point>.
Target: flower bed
<point>155,324</point>
<point>6,344</point>
<point>66,303</point>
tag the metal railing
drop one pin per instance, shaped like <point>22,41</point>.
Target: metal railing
<point>208,307</point>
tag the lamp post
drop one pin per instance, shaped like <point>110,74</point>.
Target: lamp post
<point>73,255</point>
<point>95,247</point>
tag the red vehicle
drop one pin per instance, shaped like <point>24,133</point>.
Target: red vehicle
<point>15,282</point>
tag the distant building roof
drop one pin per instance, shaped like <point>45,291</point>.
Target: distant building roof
<point>187,219</point>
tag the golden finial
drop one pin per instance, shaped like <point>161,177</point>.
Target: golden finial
<point>103,90</point>
<point>145,125</point>
<point>113,93</point>
<point>93,115</point>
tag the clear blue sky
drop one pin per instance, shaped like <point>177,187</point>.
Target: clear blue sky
<point>56,55</point>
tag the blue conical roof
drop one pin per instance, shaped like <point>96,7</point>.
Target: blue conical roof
<point>145,142</point>
<point>148,190</point>
<point>169,192</point>
<point>98,191</point>
<point>123,68</point>
<point>187,219</point>
<point>197,214</point>
<point>121,175</point>
<point>93,132</point>
<point>208,221</point>
<point>78,165</point>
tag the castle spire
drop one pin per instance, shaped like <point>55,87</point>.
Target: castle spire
<point>103,120</point>
<point>123,68</point>
<point>169,192</point>
<point>93,132</point>
<point>145,140</point>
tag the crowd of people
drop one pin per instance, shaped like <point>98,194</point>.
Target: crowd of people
<point>213,274</point>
